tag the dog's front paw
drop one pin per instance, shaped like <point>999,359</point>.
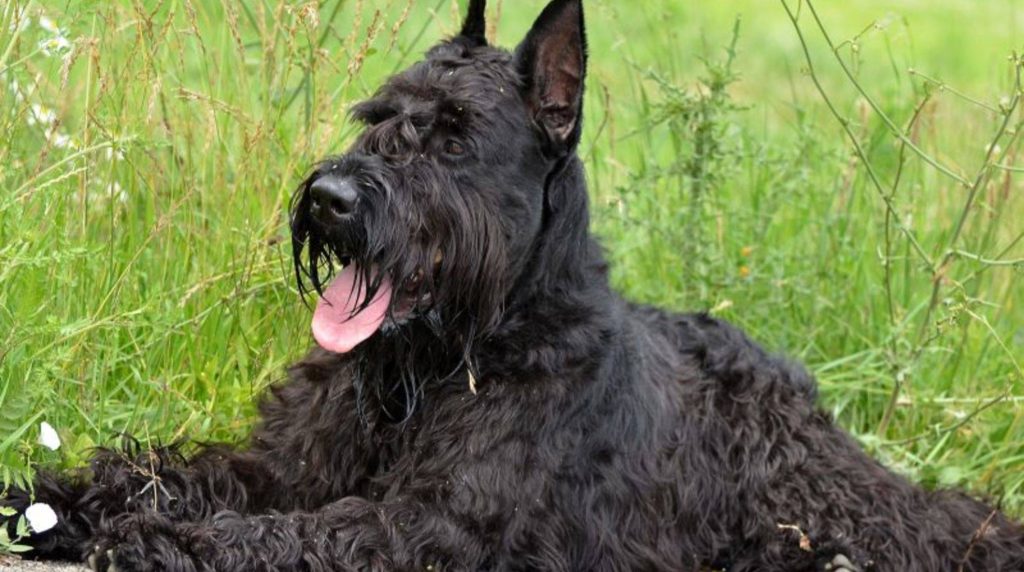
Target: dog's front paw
<point>42,526</point>
<point>140,542</point>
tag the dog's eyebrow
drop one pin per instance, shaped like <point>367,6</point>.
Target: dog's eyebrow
<point>455,113</point>
<point>373,111</point>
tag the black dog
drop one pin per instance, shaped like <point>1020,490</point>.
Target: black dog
<point>482,400</point>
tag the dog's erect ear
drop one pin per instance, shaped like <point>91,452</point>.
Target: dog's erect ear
<point>552,61</point>
<point>474,28</point>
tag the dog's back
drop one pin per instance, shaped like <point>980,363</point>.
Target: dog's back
<point>764,480</point>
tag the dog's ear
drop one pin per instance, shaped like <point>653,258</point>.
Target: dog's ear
<point>474,29</point>
<point>552,61</point>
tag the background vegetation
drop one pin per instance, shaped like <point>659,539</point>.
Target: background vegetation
<point>867,219</point>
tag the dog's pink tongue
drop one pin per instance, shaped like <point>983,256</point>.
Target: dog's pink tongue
<point>337,325</point>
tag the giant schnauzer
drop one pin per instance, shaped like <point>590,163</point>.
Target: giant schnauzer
<point>480,399</point>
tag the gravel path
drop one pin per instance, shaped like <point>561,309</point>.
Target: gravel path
<point>13,565</point>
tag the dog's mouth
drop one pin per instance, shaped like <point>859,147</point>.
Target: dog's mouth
<point>345,318</point>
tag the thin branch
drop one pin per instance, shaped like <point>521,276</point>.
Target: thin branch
<point>885,118</point>
<point>966,419</point>
<point>980,178</point>
<point>845,123</point>
<point>943,86</point>
<point>983,260</point>
<point>999,340</point>
<point>897,387</point>
<point>980,533</point>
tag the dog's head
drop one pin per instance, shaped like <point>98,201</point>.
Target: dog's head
<point>436,209</point>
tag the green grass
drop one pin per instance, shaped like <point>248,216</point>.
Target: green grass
<point>145,281</point>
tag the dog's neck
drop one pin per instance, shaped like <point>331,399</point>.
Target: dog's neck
<point>565,257</point>
<point>566,276</point>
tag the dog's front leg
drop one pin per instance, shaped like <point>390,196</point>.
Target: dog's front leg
<point>129,480</point>
<point>351,534</point>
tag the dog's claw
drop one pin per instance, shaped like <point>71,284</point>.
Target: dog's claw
<point>101,561</point>
<point>841,563</point>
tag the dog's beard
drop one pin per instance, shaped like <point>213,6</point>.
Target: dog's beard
<point>395,366</point>
<point>396,346</point>
<point>408,307</point>
<point>381,314</point>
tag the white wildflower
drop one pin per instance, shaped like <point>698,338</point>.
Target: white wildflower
<point>60,140</point>
<point>57,45</point>
<point>115,192</point>
<point>114,154</point>
<point>47,119</point>
<point>40,517</point>
<point>48,436</point>
<point>41,115</point>
<point>48,25</point>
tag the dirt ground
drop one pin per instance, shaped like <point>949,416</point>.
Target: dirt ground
<point>8,564</point>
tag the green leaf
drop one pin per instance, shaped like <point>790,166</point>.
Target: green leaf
<point>22,529</point>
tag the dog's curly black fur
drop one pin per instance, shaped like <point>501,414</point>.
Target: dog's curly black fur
<point>513,412</point>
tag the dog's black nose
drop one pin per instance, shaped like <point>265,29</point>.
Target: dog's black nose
<point>333,199</point>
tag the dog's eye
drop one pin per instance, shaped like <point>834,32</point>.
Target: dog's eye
<point>453,147</point>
